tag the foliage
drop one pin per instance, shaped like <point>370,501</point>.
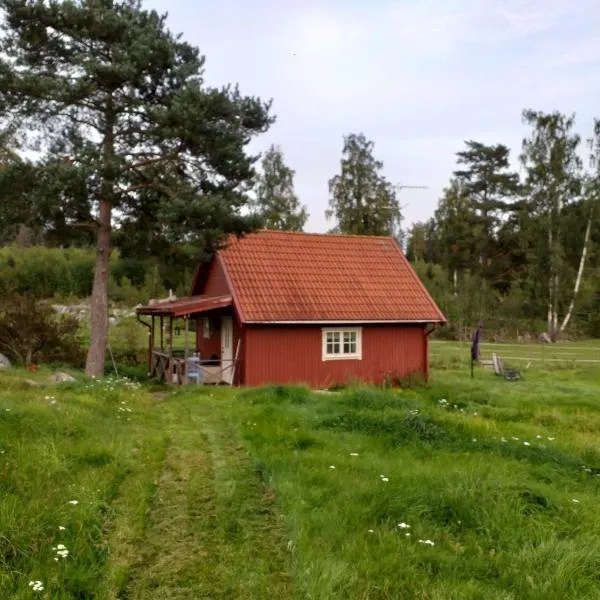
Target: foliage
<point>32,333</point>
<point>276,202</point>
<point>66,274</point>
<point>361,200</point>
<point>511,251</point>
<point>125,122</point>
<point>554,179</point>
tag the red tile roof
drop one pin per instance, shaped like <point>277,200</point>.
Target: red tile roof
<point>287,276</point>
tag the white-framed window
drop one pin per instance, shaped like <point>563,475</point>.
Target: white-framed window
<point>206,328</point>
<point>342,343</point>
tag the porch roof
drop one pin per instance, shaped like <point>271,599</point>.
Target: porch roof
<point>189,305</point>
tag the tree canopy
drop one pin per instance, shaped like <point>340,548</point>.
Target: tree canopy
<point>276,201</point>
<point>361,199</point>
<point>117,106</point>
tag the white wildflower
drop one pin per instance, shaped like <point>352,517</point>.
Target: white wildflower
<point>384,479</point>
<point>61,528</point>
<point>404,525</point>
<point>427,542</point>
<point>575,501</point>
<point>474,440</point>
<point>370,531</point>
<point>332,466</point>
<point>353,453</point>
<point>36,586</point>
<point>407,534</point>
<point>551,439</point>
<point>539,437</point>
<point>73,502</point>
<point>526,444</point>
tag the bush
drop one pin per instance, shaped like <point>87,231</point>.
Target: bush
<point>31,332</point>
<point>128,344</point>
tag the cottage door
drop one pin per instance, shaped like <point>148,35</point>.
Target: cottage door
<point>227,349</point>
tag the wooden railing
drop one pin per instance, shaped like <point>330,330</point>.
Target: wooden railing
<point>173,370</point>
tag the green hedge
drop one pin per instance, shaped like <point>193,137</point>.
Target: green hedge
<point>43,272</point>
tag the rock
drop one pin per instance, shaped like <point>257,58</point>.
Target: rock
<point>112,321</point>
<point>545,338</point>
<point>61,378</point>
<point>4,362</point>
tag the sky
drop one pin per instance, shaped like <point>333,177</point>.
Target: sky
<point>417,77</point>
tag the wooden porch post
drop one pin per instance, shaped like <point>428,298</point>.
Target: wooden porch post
<point>185,352</point>
<point>162,345</point>
<point>150,346</point>
<point>170,335</point>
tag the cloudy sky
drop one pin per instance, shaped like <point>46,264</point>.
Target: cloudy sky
<point>415,76</point>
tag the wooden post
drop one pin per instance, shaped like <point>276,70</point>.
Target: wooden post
<point>162,345</point>
<point>170,350</point>
<point>150,346</point>
<point>186,349</point>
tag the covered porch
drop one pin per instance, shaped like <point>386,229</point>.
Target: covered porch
<point>191,340</point>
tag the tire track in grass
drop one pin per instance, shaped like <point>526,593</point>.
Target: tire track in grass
<point>214,531</point>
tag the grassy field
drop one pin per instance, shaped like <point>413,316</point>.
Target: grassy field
<point>583,354</point>
<point>461,489</point>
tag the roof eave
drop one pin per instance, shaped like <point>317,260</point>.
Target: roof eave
<point>350,322</point>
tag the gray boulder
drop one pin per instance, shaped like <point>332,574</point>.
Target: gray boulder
<point>61,378</point>
<point>545,338</point>
<point>4,362</point>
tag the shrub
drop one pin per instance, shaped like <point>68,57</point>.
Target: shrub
<point>31,332</point>
<point>128,344</point>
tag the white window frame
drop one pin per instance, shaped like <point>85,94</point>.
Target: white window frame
<point>341,356</point>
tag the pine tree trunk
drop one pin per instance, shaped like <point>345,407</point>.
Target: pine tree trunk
<point>586,239</point>
<point>94,366</point>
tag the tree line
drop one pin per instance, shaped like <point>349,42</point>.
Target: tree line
<point>133,151</point>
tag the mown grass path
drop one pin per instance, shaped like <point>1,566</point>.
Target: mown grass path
<point>213,528</point>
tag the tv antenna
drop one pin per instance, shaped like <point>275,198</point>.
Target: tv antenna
<point>400,186</point>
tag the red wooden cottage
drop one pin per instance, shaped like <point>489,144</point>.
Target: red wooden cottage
<point>286,307</point>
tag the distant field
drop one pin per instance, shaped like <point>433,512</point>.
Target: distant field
<point>583,353</point>
<point>458,490</point>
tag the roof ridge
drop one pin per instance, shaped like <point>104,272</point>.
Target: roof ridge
<point>321,234</point>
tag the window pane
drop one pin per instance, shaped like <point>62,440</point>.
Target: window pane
<point>332,342</point>
<point>349,342</point>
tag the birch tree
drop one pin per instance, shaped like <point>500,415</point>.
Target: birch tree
<point>553,179</point>
<point>592,201</point>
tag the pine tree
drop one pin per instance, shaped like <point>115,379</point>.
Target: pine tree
<point>276,202</point>
<point>489,184</point>
<point>107,87</point>
<point>457,232</point>
<point>361,200</point>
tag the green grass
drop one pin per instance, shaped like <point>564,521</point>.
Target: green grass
<point>586,353</point>
<point>221,493</point>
